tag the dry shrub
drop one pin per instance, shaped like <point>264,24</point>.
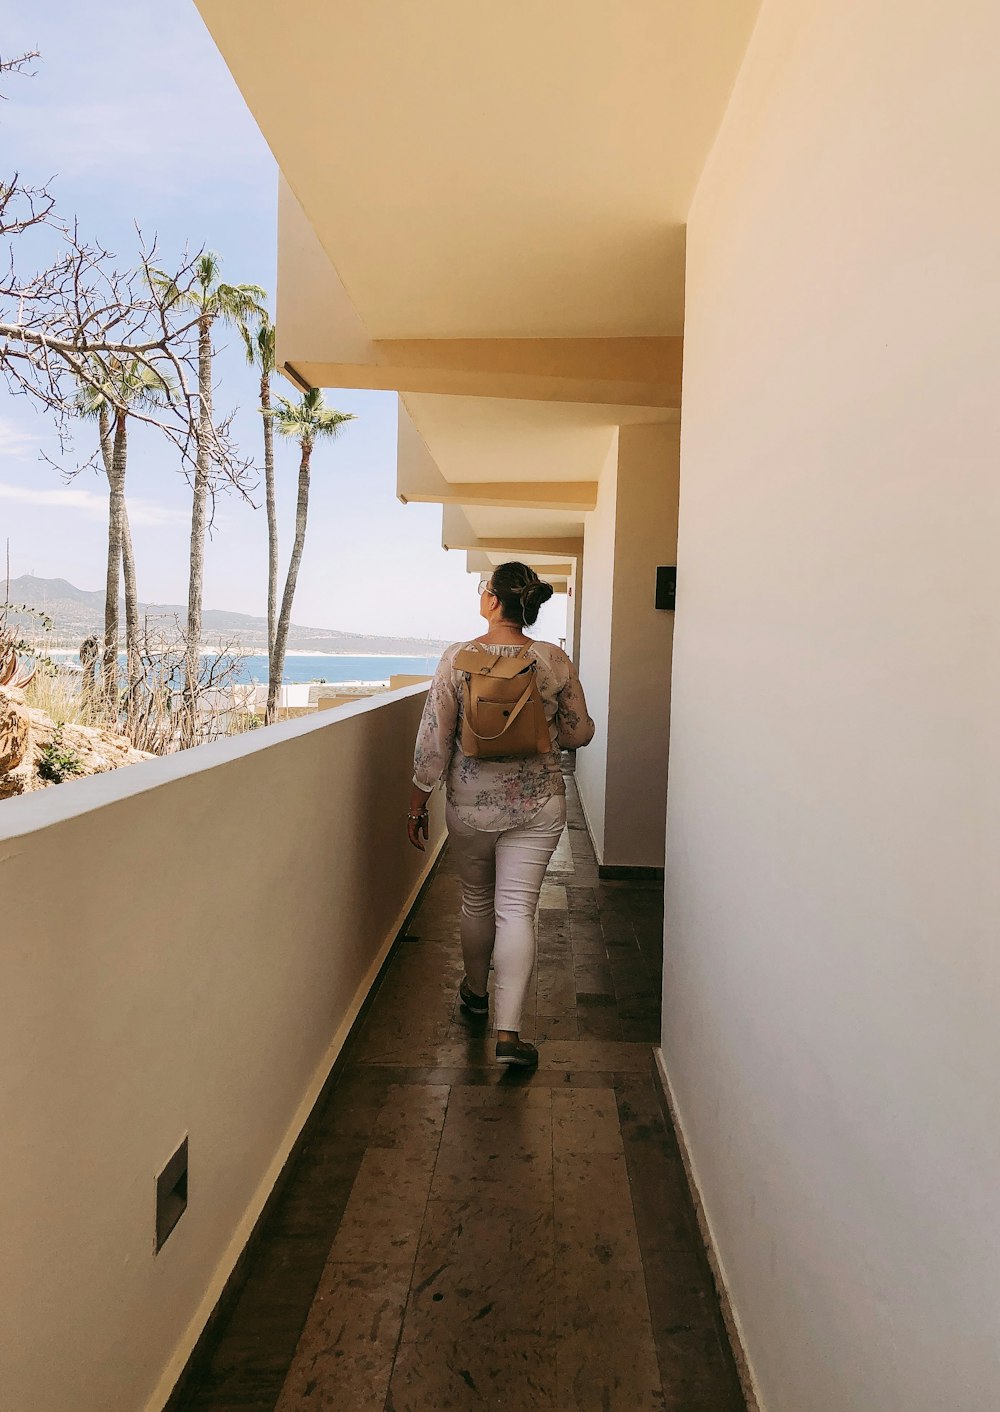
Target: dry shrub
<point>58,695</point>
<point>151,712</point>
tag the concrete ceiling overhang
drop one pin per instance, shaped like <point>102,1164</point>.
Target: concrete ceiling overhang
<point>493,171</point>
<point>531,536</point>
<point>530,461</point>
<point>323,341</point>
<point>483,208</point>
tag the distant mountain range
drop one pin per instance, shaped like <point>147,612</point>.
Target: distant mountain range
<point>76,613</point>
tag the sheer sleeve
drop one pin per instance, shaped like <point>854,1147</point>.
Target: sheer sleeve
<point>436,733</point>
<point>574,728</point>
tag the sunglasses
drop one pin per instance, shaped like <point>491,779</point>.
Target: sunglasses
<point>485,587</point>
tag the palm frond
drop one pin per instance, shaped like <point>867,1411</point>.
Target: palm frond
<point>259,344</point>
<point>123,385</point>
<point>238,303</point>
<point>249,342</point>
<point>207,269</point>
<point>308,419</point>
<point>168,288</point>
<point>233,303</point>
<point>265,346</point>
<point>89,403</point>
<point>143,385</point>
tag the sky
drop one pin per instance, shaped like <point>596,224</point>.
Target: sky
<point>137,121</point>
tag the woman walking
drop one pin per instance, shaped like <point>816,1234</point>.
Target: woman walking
<point>504,816</point>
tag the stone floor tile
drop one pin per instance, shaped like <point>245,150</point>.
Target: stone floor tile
<point>582,904</point>
<point>596,1372</point>
<point>492,1142</point>
<point>697,1372</point>
<point>477,1051</point>
<point>501,1078</point>
<point>384,1214</point>
<point>231,1391</point>
<point>589,950</point>
<point>679,1289</point>
<point>549,1027</point>
<point>556,988</point>
<point>585,1121</point>
<point>593,1211</point>
<point>595,1000</point>
<point>578,1055</point>
<point>469,1374</point>
<point>262,1332</point>
<point>555,949</point>
<point>345,1355</point>
<point>411,1118</point>
<point>553,897</point>
<point>464,1026</point>
<point>636,1031</point>
<point>464,1099</point>
<point>652,954</point>
<point>641,1007</point>
<point>485,1266</point>
<point>313,1207</point>
<point>600,1023</point>
<point>593,977</point>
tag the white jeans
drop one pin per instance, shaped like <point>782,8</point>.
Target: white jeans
<point>501,876</point>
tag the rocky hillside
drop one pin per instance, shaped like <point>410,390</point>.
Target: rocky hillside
<point>77,612</point>
<point>36,753</point>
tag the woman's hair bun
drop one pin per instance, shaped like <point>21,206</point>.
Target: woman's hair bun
<point>521,592</point>
<point>533,595</point>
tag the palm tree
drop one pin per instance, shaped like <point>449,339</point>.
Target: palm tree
<point>306,422</point>
<point>231,303</point>
<point>260,355</point>
<point>117,387</point>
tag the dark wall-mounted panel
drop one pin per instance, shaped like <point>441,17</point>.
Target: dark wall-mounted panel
<point>666,586</point>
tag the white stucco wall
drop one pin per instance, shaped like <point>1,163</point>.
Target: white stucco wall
<point>626,646</point>
<point>574,606</point>
<point>641,645</point>
<point>184,946</point>
<point>832,977</point>
<point>595,645</point>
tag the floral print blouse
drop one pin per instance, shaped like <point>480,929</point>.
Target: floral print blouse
<point>493,795</point>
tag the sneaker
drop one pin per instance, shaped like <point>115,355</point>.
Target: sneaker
<point>517,1051</point>
<point>475,1004</point>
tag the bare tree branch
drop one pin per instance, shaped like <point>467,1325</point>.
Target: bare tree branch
<point>19,64</point>
<point>67,327</point>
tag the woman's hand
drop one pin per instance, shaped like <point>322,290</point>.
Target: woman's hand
<point>416,829</point>
<point>416,817</point>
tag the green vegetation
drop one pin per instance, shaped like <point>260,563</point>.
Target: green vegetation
<point>57,761</point>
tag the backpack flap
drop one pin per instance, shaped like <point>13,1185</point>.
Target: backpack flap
<point>493,665</point>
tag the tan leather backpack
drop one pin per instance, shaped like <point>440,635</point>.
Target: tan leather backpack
<point>503,716</point>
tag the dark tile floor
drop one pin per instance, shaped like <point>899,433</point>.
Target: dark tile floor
<point>459,1236</point>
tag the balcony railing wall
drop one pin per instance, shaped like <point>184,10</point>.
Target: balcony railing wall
<point>183,949</point>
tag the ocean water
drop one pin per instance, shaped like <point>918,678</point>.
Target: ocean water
<point>336,668</point>
<point>322,667</point>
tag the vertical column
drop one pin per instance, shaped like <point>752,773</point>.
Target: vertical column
<point>625,648</point>
<point>573,609</point>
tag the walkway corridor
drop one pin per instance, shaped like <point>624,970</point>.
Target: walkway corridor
<point>459,1236</point>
